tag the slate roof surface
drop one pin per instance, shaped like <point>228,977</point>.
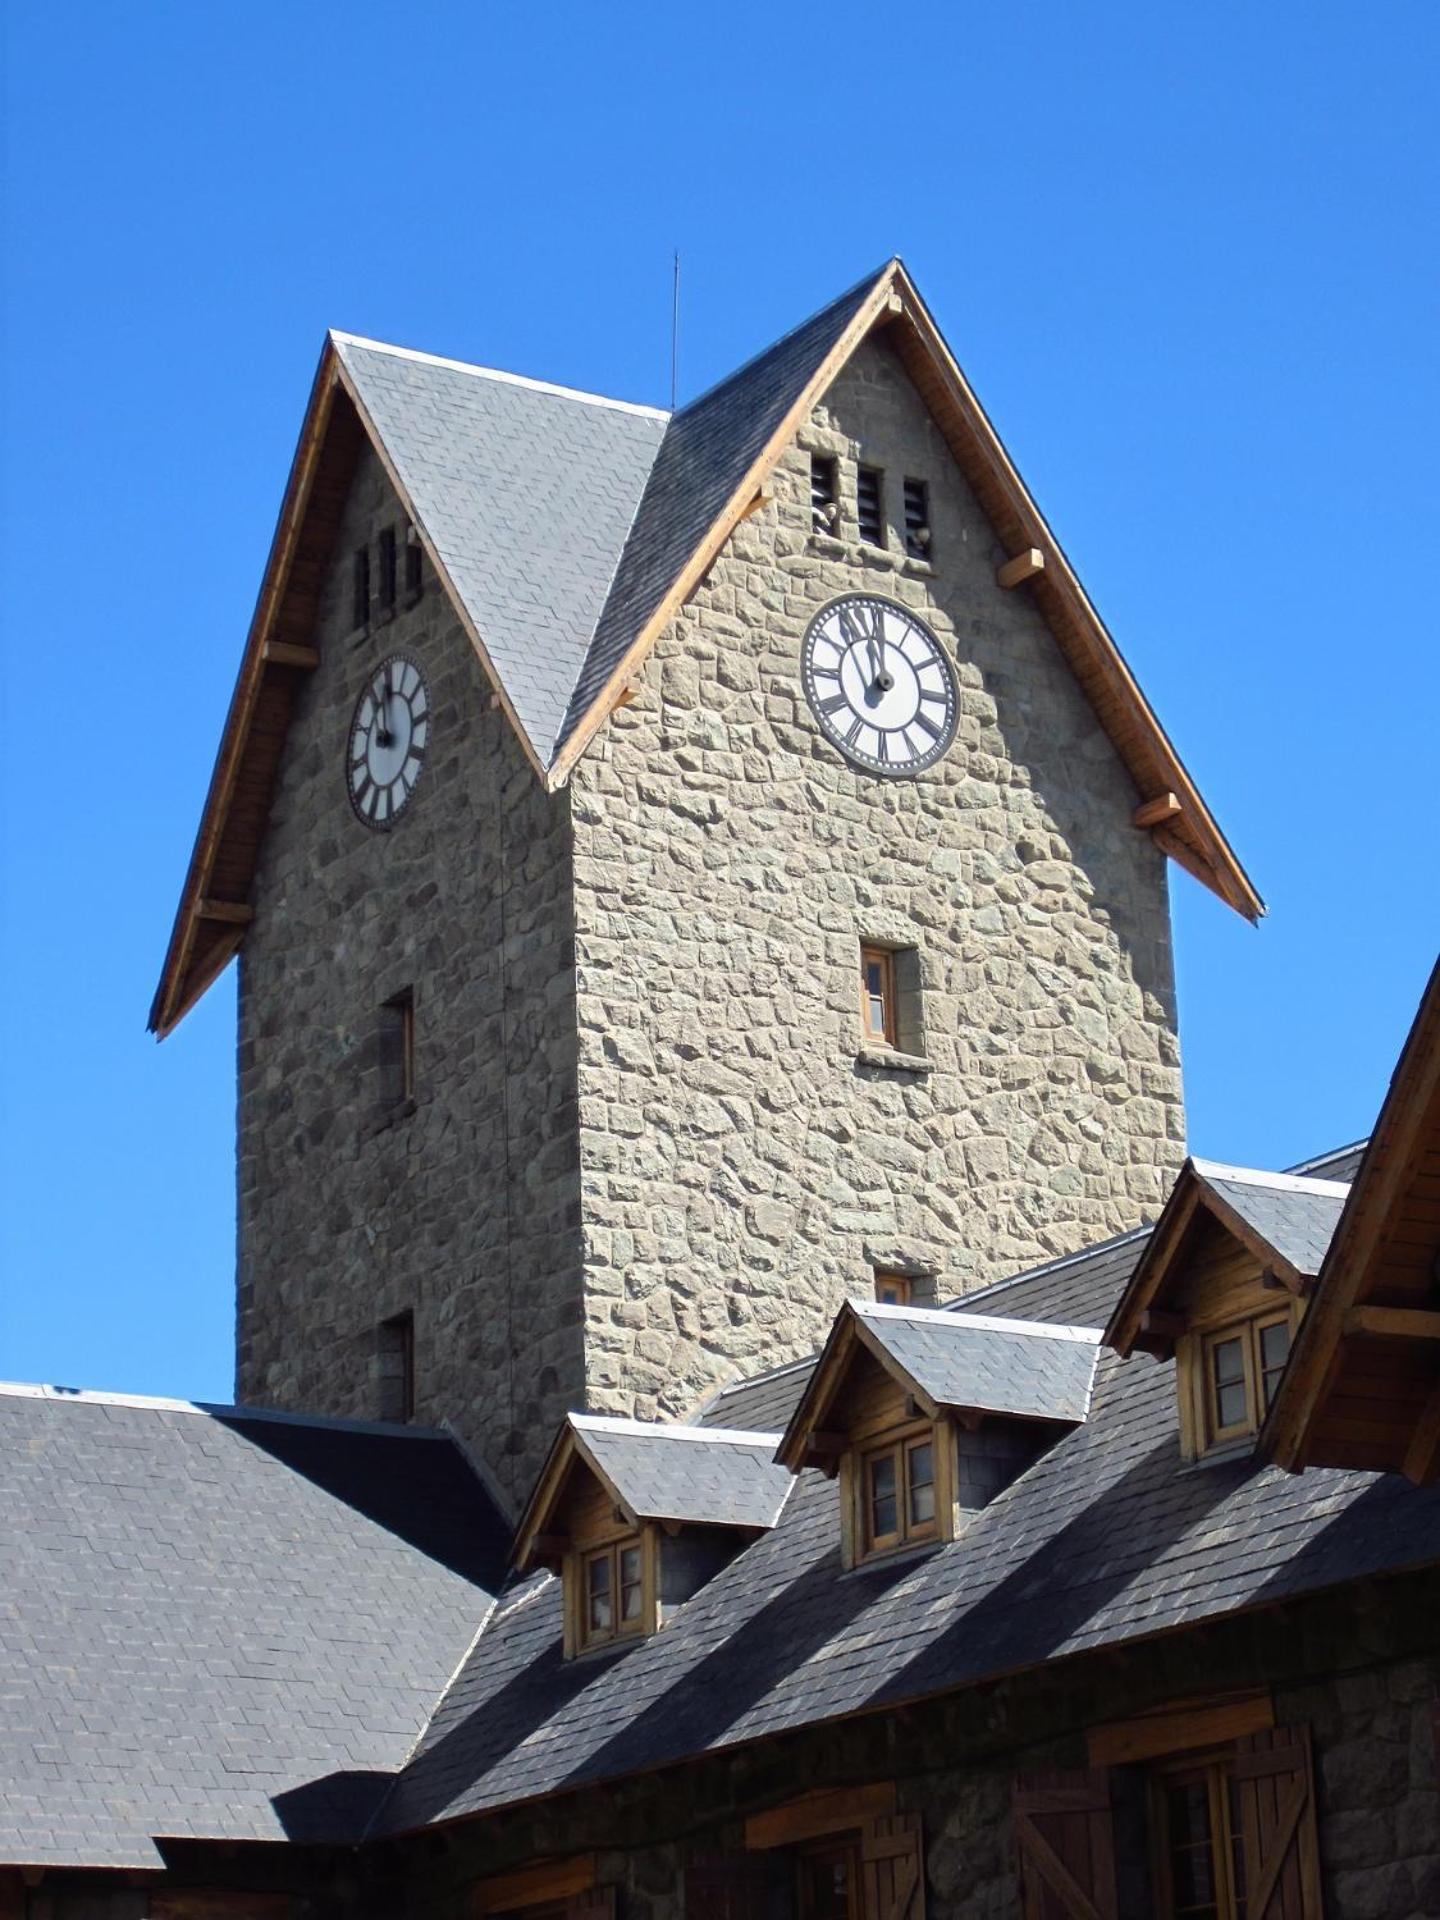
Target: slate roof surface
<point>686,1473</point>
<point>1034,1370</point>
<point>218,1623</point>
<point>1293,1214</point>
<point>709,447</point>
<point>1107,1537</point>
<point>528,493</point>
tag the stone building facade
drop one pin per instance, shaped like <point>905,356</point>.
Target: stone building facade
<point>647,1148</point>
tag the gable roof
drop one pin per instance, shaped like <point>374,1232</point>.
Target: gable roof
<point>1362,1387</point>
<point>700,1476</point>
<point>972,1363</point>
<point>1285,1220</point>
<point>567,530</point>
<point>220,1623</point>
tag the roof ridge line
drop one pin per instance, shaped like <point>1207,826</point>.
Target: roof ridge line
<point>667,1430</point>
<point>1302,1167</point>
<point>213,1409</point>
<point>986,1322</point>
<point>1260,1177</point>
<point>963,1302</point>
<point>343,339</point>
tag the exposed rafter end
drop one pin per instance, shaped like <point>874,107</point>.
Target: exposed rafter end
<point>284,653</point>
<point>233,913</point>
<point>758,504</point>
<point>1393,1323</point>
<point>1023,567</point>
<point>1154,813</point>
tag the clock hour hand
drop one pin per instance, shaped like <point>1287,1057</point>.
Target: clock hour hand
<point>383,735</point>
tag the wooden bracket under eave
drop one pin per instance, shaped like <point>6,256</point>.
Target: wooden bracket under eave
<point>1023,567</point>
<point>234,913</point>
<point>1154,813</point>
<point>283,653</point>
<point>758,504</point>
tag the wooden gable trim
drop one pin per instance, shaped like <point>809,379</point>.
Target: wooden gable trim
<point>535,1538</point>
<point>259,712</point>
<point>1403,1133</point>
<point>546,1881</point>
<point>1191,837</point>
<point>1124,1333</point>
<point>808,1432</point>
<point>824,1811</point>
<point>873,308</point>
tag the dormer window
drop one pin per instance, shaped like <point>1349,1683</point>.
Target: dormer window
<point>1222,1285</point>
<point>635,1517</point>
<point>925,1415</point>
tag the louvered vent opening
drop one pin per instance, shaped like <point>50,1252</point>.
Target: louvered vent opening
<point>360,588</point>
<point>917,519</point>
<point>414,562</point>
<point>869,506</point>
<point>824,494</point>
<point>387,570</point>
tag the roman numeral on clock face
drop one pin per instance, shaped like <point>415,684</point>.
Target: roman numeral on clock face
<point>880,685</point>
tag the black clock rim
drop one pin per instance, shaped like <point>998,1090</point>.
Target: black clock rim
<point>912,768</point>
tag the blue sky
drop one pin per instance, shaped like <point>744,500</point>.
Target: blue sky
<point>1186,255</point>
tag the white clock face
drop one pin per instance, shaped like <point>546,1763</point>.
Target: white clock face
<point>879,684</point>
<point>387,741</point>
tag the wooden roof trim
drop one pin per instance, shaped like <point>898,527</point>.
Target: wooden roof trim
<point>1176,1219</point>
<point>177,993</point>
<point>567,1451</point>
<point>1271,1259</point>
<point>442,572</point>
<point>740,503</point>
<point>1377,1190</point>
<point>1210,858</point>
<point>820,1390</point>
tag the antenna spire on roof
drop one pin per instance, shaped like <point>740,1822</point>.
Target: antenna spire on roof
<point>675,334</point>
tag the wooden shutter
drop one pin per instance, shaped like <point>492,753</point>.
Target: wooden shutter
<point>738,1886</point>
<point>1064,1835</point>
<point>892,1868</point>
<point>1275,1796</point>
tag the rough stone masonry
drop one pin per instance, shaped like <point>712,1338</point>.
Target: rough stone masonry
<point>647,1150</point>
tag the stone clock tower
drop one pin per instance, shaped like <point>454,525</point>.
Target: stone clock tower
<point>681,866</point>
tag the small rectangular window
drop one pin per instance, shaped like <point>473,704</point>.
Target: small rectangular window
<point>387,570</point>
<point>1242,1369</point>
<point>397,1367</point>
<point>870,505</point>
<point>414,565</point>
<point>898,1493</point>
<point>917,519</point>
<point>360,588</point>
<point>830,1881</point>
<point>877,997</point>
<point>893,1289</point>
<point>612,1597</point>
<point>824,494</point>
<point>397,1049</point>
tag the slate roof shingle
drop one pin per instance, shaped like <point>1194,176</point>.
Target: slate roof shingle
<point>220,1623</point>
<point>687,1473</point>
<point>1293,1214</point>
<point>1031,1369</point>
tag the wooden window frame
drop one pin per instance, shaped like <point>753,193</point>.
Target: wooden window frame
<point>847,1843</point>
<point>582,1638</point>
<point>888,1033</point>
<point>1248,1333</point>
<point>1215,1769</point>
<point>898,1447</point>
<point>890,1279</point>
<point>397,1335</point>
<point>881,540</point>
<point>397,1015</point>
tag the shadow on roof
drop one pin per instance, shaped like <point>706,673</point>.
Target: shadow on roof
<point>421,1490</point>
<point>334,1810</point>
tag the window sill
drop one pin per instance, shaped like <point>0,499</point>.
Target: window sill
<point>894,1557</point>
<point>891,1060</point>
<point>402,1110</point>
<point>861,553</point>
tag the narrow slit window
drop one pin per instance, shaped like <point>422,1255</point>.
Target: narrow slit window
<point>824,494</point>
<point>397,1367</point>
<point>893,1289</point>
<point>917,519</point>
<point>870,505</point>
<point>414,564</point>
<point>360,588</point>
<point>387,580</point>
<point>877,997</point>
<point>397,1049</point>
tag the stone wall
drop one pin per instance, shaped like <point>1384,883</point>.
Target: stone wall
<point>464,1210</point>
<point>1358,1666</point>
<point>743,1171</point>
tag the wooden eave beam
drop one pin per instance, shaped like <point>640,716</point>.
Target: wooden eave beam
<point>1392,1323</point>
<point>819,1395</point>
<point>1157,812</point>
<point>1024,566</point>
<point>233,913</point>
<point>1126,1322</point>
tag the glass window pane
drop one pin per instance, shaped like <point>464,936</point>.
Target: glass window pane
<point>1274,1351</point>
<point>884,1508</point>
<point>920,1473</point>
<point>597,1574</point>
<point>1228,1357</point>
<point>1191,1849</point>
<point>631,1585</point>
<point>1227,1364</point>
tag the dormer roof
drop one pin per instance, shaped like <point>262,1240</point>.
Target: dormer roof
<point>1363,1385</point>
<point>568,529</point>
<point>693,1476</point>
<point>1285,1220</point>
<point>972,1364</point>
